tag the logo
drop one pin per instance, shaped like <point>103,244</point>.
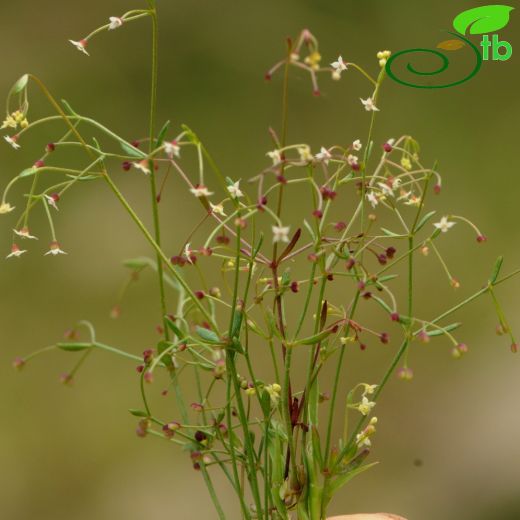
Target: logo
<point>478,21</point>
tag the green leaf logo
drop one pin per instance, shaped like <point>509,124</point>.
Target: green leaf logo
<point>481,20</point>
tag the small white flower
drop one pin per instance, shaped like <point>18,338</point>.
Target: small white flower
<point>363,440</point>
<point>218,209</point>
<point>201,191</point>
<point>372,198</point>
<point>51,201</point>
<point>275,156</point>
<point>404,195</point>
<point>15,251</point>
<point>12,141</point>
<point>385,189</point>
<point>413,200</point>
<point>54,250</point>
<point>339,65</point>
<point>305,153</point>
<point>81,46</point>
<point>187,253</point>
<point>24,233</point>
<point>280,233</point>
<point>352,160</point>
<point>369,105</point>
<point>444,225</point>
<point>356,145</point>
<point>324,155</point>
<point>396,183</point>
<point>172,149</point>
<point>369,389</point>
<point>365,406</point>
<point>143,166</point>
<point>235,191</point>
<point>115,22</point>
<point>5,207</point>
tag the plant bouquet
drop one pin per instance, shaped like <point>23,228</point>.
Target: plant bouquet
<point>361,226</point>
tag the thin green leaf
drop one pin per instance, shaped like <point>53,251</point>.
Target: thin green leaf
<point>424,220</point>
<point>20,84</point>
<point>443,330</point>
<point>496,270</point>
<point>138,413</point>
<point>74,347</point>
<point>207,335</point>
<point>162,134</point>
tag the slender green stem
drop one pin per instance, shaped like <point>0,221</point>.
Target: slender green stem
<point>212,492</point>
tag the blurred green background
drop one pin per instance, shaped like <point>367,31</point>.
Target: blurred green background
<point>72,452</point>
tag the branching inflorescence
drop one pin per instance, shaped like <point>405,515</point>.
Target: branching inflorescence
<point>273,438</point>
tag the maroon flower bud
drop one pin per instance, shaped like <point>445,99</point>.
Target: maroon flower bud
<point>395,316</point>
<point>39,164</point>
<point>164,393</point>
<point>148,377</point>
<point>327,193</point>
<point>384,338</point>
<point>387,147</point>
<point>18,363</point>
<point>178,260</point>
<point>196,455</point>
<point>330,277</point>
<point>148,355</point>
<point>437,189</point>
<point>66,379</point>
<point>382,259</point>
<point>361,285</point>
<point>206,251</point>
<point>55,197</point>
<point>462,348</point>
<point>481,238</point>
<point>340,226</point>
<point>390,252</point>
<point>200,436</point>
<point>334,329</point>
<point>312,257</point>
<point>281,179</point>
<point>222,239</point>
<point>126,165</point>
<point>159,329</point>
<point>262,201</point>
<point>197,407</point>
<point>71,334</point>
<point>196,466</point>
<point>135,143</point>
<point>317,213</point>
<point>295,287</point>
<point>362,346</point>
<point>139,368</point>
<point>200,294</point>
<point>50,148</point>
<point>356,166</point>
<point>316,93</point>
<point>514,348</point>
<point>267,76</point>
<point>367,295</point>
<point>350,264</point>
<point>241,223</point>
<point>142,428</point>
